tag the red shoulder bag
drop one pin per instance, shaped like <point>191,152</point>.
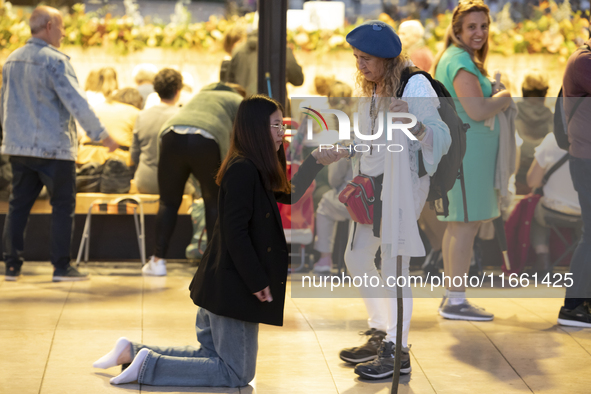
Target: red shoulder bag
<point>358,196</point>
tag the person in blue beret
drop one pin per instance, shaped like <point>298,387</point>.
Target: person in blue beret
<point>394,164</point>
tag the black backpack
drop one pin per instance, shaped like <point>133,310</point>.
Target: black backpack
<point>450,167</point>
<point>560,121</point>
<point>116,177</point>
<point>88,178</point>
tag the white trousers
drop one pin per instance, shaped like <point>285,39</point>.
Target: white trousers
<point>380,293</point>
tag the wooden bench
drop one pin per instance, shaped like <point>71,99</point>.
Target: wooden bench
<point>84,200</point>
<point>112,234</point>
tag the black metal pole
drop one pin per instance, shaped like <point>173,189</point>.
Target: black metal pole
<point>272,47</point>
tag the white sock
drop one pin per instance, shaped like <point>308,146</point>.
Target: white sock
<point>132,373</point>
<point>455,297</point>
<point>110,359</point>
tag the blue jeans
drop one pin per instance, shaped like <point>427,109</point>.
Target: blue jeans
<point>227,356</point>
<point>580,265</point>
<point>29,176</point>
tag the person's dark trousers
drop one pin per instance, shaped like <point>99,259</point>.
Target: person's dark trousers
<point>29,176</point>
<point>580,265</point>
<point>180,156</point>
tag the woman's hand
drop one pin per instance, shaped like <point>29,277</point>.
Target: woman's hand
<point>502,93</point>
<point>399,105</point>
<point>507,97</point>
<point>110,143</point>
<point>264,295</point>
<point>326,156</point>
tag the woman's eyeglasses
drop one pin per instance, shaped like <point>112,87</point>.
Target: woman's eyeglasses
<point>279,128</point>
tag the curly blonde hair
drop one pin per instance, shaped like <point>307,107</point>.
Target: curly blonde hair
<point>393,68</point>
<point>464,8</point>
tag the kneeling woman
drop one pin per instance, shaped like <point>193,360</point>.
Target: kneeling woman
<point>241,279</point>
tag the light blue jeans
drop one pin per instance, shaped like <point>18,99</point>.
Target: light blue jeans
<point>227,356</point>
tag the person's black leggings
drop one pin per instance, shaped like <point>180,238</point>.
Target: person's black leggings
<point>180,156</point>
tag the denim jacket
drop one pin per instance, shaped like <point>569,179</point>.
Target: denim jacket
<point>40,98</point>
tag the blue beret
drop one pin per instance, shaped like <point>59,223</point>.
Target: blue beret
<point>375,38</point>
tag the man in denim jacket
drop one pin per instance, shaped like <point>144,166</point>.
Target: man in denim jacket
<point>40,99</point>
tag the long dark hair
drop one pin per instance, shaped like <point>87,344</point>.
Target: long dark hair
<point>251,139</point>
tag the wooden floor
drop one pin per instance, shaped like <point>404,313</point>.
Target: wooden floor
<point>50,333</point>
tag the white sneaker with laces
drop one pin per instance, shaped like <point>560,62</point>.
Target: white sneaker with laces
<point>323,266</point>
<point>154,267</point>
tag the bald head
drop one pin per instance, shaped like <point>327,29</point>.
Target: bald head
<point>41,16</point>
<point>46,23</point>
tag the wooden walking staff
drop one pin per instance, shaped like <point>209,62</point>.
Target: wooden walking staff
<point>398,351</point>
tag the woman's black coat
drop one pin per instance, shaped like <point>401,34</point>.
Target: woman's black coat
<point>248,251</point>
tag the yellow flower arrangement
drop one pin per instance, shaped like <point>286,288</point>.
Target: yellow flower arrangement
<point>554,29</point>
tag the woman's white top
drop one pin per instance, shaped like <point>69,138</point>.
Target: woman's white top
<point>416,92</point>
<point>403,193</point>
<point>559,193</point>
<point>94,98</point>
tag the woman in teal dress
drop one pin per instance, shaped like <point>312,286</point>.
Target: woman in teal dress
<point>461,69</point>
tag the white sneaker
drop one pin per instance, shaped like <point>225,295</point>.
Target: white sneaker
<point>323,266</point>
<point>154,267</point>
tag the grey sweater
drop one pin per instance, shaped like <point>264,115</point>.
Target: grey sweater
<point>144,149</point>
<point>213,109</point>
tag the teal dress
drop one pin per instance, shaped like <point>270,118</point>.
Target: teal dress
<point>482,145</point>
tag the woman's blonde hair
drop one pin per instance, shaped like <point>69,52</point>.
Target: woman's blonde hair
<point>464,8</point>
<point>108,81</point>
<point>130,96</point>
<point>232,37</point>
<point>393,68</point>
<point>92,82</point>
